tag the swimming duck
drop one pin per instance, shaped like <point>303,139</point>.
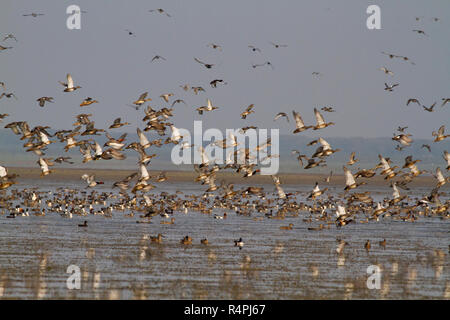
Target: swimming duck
<point>239,243</point>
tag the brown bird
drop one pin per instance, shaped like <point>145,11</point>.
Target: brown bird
<point>367,245</point>
<point>247,111</point>
<point>213,83</point>
<point>43,100</point>
<point>413,100</point>
<point>430,109</point>
<point>289,227</point>
<point>445,101</point>
<point>87,102</point>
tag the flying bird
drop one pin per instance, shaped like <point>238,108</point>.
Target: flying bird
<point>161,11</point>
<point>157,57</point>
<point>430,109</point>
<point>43,100</point>
<point>390,88</point>
<point>413,101</point>
<point>281,114</point>
<point>69,84</point>
<point>207,65</point>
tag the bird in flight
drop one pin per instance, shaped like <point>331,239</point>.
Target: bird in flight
<point>281,114</point>
<point>8,95</point>
<point>9,36</point>
<point>207,65</point>
<point>130,33</point>
<point>215,46</point>
<point>43,100</point>
<point>69,84</point>
<point>276,45</point>
<point>426,146</point>
<point>157,57</point>
<point>4,48</point>
<point>391,87</point>
<point>34,15</point>
<point>420,32</point>
<point>262,64</point>
<point>445,101</point>
<point>213,83</point>
<point>161,11</point>
<point>328,109</point>
<point>412,100</point>
<point>386,71</point>
<point>254,49</point>
<point>430,109</point>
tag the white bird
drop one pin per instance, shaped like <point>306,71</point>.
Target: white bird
<point>69,84</point>
<point>148,201</point>
<point>395,193</point>
<point>3,172</point>
<point>90,179</point>
<point>44,138</point>
<point>143,139</point>
<point>350,182</point>
<point>387,170</point>
<point>176,136</point>
<point>340,211</point>
<point>44,167</point>
<point>280,190</point>
<point>144,173</point>
<point>205,160</point>
<point>208,107</point>
<point>447,158</point>
<point>440,178</point>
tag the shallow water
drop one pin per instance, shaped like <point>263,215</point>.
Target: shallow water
<point>118,261</point>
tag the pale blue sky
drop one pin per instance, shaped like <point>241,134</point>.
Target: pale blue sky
<point>325,36</point>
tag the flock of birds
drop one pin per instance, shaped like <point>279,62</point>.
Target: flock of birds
<point>318,204</point>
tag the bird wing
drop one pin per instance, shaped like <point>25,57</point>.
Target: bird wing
<point>319,117</point>
<point>298,120</point>
<point>69,81</point>
<point>349,179</point>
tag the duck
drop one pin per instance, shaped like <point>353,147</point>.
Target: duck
<point>439,135</point>
<point>239,243</point>
<point>90,179</point>
<point>43,100</point>
<point>172,221</point>
<point>88,101</point>
<point>186,240</point>
<point>208,107</point>
<point>247,111</point>
<point>157,239</point>
<point>350,182</point>
<point>367,245</point>
<point>321,124</point>
<point>299,124</point>
<point>69,84</point>
<point>142,99</point>
<point>289,227</point>
<point>204,241</point>
<point>85,224</point>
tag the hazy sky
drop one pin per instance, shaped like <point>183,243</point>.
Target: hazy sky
<point>329,37</point>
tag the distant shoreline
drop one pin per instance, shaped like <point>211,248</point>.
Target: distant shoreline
<point>71,174</point>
